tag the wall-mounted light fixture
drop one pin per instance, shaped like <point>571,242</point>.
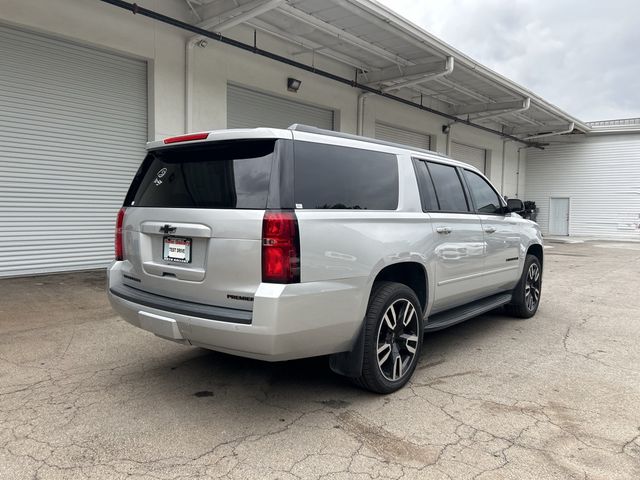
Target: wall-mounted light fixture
<point>293,84</point>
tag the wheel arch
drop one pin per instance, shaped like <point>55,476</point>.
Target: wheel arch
<point>410,273</point>
<point>537,251</point>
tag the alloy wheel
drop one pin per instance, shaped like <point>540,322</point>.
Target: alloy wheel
<point>532,287</point>
<point>397,339</point>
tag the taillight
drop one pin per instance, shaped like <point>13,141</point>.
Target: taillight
<point>280,248</point>
<point>118,239</point>
<point>190,137</point>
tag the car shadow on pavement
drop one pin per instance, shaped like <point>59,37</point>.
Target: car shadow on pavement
<point>202,373</point>
<point>457,338</point>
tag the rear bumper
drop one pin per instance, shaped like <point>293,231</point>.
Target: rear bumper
<point>287,321</point>
<point>171,305</point>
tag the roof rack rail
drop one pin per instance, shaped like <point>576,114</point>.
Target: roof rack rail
<point>298,127</point>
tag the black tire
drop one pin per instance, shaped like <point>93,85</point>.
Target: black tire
<point>392,373</point>
<point>525,301</point>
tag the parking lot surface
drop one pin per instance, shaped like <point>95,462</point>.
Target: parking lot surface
<point>85,395</point>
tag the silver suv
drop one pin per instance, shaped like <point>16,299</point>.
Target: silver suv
<point>281,244</point>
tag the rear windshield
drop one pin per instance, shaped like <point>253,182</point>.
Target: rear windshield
<point>213,175</point>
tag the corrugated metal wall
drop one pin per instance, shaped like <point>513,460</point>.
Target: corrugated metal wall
<point>248,108</point>
<point>600,175</point>
<point>472,155</point>
<point>390,133</point>
<point>73,125</point>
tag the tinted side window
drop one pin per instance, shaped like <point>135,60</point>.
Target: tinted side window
<point>328,176</point>
<point>484,197</point>
<point>448,188</point>
<point>425,185</point>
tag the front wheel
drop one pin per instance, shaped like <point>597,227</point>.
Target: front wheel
<point>392,338</point>
<point>526,295</point>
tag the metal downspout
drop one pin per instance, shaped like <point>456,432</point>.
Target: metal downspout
<point>504,144</point>
<point>200,41</point>
<point>504,158</point>
<point>553,134</point>
<point>448,69</point>
<point>518,174</point>
<point>188,82</point>
<point>449,139</point>
<point>518,171</point>
<point>360,113</point>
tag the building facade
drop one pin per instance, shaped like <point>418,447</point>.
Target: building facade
<point>86,84</point>
<point>589,185</point>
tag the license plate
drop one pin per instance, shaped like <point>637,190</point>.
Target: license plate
<point>177,249</point>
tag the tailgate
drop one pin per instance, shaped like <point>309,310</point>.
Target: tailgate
<point>193,223</point>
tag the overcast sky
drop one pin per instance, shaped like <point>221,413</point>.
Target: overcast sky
<point>581,55</point>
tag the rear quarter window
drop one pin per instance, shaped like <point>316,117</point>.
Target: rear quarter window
<point>335,177</point>
<point>211,175</point>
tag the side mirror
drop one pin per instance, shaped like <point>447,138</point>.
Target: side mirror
<point>515,205</point>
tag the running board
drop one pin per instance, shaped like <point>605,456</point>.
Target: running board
<point>465,312</point>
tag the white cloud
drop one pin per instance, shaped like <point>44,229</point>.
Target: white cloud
<point>583,56</point>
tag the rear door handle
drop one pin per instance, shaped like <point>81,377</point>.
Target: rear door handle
<point>445,230</point>
<point>490,230</point>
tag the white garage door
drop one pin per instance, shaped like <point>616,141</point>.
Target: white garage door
<point>248,108</point>
<point>389,133</point>
<point>472,155</point>
<point>73,125</point>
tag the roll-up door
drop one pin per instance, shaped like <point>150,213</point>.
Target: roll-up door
<point>248,108</point>
<point>389,133</point>
<point>472,155</point>
<point>72,133</point>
